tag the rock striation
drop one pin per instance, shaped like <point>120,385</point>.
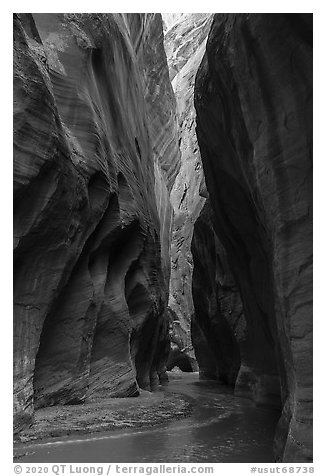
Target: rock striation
<point>185,46</point>
<point>185,39</point>
<point>218,326</point>
<point>113,188</point>
<point>95,155</point>
<point>253,98</point>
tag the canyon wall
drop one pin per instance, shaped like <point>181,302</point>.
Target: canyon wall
<point>218,326</point>
<point>185,46</point>
<point>95,156</point>
<point>107,168</point>
<point>253,98</point>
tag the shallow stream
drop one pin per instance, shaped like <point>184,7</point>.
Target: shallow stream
<point>222,428</point>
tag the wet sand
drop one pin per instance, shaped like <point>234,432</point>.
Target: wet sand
<point>187,421</point>
<point>147,410</point>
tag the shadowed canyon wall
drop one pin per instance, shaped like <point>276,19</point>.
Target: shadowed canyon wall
<point>110,193</point>
<point>95,156</point>
<point>218,326</point>
<point>253,98</point>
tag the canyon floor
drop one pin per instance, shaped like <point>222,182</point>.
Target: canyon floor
<point>147,410</point>
<point>189,420</point>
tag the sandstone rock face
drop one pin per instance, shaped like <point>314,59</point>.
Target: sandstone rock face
<point>91,207</point>
<point>253,98</point>
<point>170,19</point>
<point>162,124</point>
<point>185,39</point>
<point>218,327</point>
<point>185,47</point>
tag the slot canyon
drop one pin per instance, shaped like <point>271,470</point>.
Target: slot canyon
<point>163,224</point>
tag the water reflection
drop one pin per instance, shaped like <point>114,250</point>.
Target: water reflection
<point>222,428</point>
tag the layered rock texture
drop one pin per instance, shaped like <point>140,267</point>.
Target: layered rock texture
<point>184,40</point>
<point>218,326</point>
<point>95,156</point>
<point>185,46</point>
<point>253,98</point>
<point>108,169</point>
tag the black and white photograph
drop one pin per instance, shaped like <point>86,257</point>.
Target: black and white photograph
<point>163,241</point>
